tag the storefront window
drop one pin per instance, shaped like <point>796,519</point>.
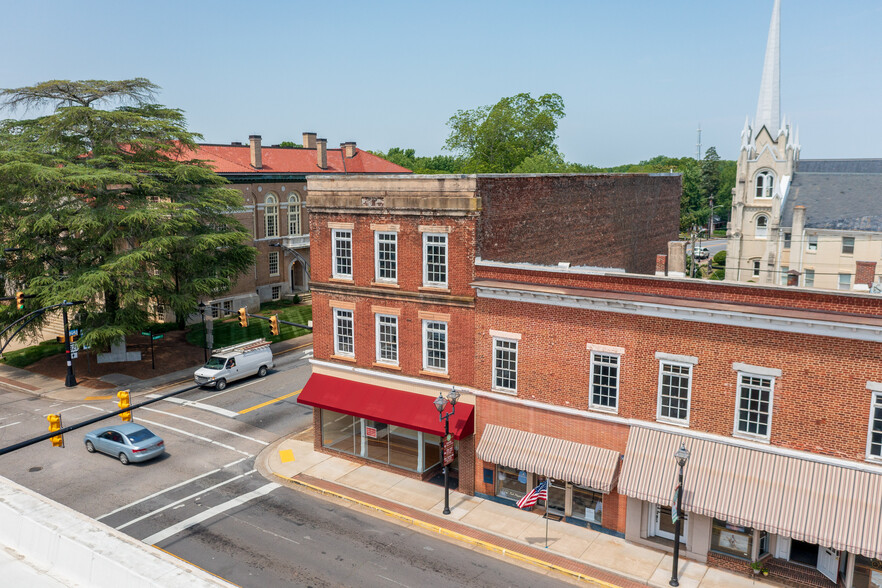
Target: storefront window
<point>587,505</point>
<point>431,451</point>
<point>376,441</point>
<point>404,447</point>
<point>732,539</point>
<point>338,432</point>
<point>508,484</point>
<point>763,543</point>
<point>867,572</point>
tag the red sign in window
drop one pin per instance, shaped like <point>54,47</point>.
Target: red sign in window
<point>371,432</point>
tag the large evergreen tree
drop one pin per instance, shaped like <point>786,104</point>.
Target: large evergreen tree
<point>103,206</point>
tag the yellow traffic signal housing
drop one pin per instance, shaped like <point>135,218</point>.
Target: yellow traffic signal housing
<point>274,325</point>
<point>55,425</point>
<point>60,338</point>
<point>19,300</point>
<point>243,317</point>
<point>124,402</point>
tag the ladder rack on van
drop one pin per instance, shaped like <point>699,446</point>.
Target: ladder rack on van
<point>241,347</point>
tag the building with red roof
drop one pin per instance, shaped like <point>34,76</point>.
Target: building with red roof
<point>272,180</point>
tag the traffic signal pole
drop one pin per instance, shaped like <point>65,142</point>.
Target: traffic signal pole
<point>70,380</point>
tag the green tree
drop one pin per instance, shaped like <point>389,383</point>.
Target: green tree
<point>107,207</point>
<point>291,144</point>
<point>551,161</point>
<point>438,164</point>
<point>498,138</point>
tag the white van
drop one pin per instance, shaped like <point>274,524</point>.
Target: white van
<point>235,362</point>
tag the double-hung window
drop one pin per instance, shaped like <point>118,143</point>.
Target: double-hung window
<point>848,245</point>
<point>874,436</point>
<point>674,387</point>
<point>435,346</point>
<point>753,414</point>
<point>845,281</point>
<point>435,260</point>
<point>505,364</point>
<point>342,254</point>
<point>386,256</point>
<point>387,339</point>
<point>812,243</point>
<point>274,263</point>
<point>604,381</point>
<point>271,213</point>
<point>344,333</point>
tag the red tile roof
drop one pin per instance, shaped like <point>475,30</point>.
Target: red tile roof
<point>236,159</point>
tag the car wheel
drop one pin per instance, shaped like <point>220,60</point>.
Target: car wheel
<point>261,372</point>
<point>89,447</point>
<point>220,384</point>
<point>123,459</point>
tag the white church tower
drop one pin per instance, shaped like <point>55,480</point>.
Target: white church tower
<point>766,163</point>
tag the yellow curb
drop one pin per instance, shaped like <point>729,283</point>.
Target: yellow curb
<point>453,534</point>
<point>98,397</point>
<point>178,557</point>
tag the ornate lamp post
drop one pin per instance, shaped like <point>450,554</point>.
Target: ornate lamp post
<point>682,456</point>
<point>440,403</point>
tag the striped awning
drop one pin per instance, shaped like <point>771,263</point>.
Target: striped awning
<point>820,503</point>
<point>554,458</point>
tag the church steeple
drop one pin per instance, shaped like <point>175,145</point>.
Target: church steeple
<point>768,108</point>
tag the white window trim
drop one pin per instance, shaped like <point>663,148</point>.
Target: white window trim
<point>653,530</point>
<point>293,211</point>
<point>425,330</point>
<point>761,232</point>
<point>383,360</point>
<point>517,345</point>
<point>809,243</point>
<point>273,254</point>
<point>768,191</point>
<point>600,407</point>
<point>336,273</point>
<point>426,281</point>
<point>875,398</point>
<point>377,257</point>
<point>758,373</point>
<point>337,350</point>
<point>689,364</point>
<point>674,358</point>
<point>271,210</point>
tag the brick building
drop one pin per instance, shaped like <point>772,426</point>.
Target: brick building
<point>393,302</point>
<point>272,180</point>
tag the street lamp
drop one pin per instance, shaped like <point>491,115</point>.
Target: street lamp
<point>682,456</point>
<point>440,403</point>
<point>201,306</point>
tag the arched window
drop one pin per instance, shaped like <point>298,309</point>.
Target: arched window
<point>762,226</point>
<point>764,184</point>
<point>271,213</point>
<point>293,214</point>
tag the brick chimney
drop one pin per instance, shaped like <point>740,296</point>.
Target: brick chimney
<point>661,264</point>
<point>321,153</point>
<point>864,274</point>
<point>309,140</point>
<point>677,259</point>
<point>348,149</point>
<point>256,158</point>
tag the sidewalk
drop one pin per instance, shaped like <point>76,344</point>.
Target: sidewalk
<point>20,380</point>
<point>577,552</point>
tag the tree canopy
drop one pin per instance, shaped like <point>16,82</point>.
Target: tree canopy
<point>498,138</point>
<point>103,206</point>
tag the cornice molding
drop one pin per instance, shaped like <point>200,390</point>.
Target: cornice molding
<point>388,294</point>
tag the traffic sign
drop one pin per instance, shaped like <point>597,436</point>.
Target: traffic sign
<point>73,354</point>
<point>74,348</point>
<point>146,333</point>
<point>155,337</point>
<point>73,332</point>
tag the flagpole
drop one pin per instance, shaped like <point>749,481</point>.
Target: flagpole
<point>546,524</point>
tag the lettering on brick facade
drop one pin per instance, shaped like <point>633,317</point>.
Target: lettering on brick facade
<point>373,202</point>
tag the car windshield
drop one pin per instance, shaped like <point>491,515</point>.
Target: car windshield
<point>215,363</point>
<point>139,436</point>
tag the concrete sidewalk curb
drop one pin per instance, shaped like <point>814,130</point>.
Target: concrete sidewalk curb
<point>448,533</point>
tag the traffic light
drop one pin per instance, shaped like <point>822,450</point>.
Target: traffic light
<point>124,402</point>
<point>19,300</point>
<point>54,425</point>
<point>274,325</point>
<point>243,317</point>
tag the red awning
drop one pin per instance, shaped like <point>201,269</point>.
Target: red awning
<point>386,405</point>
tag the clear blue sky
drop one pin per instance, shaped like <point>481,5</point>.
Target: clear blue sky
<point>637,77</point>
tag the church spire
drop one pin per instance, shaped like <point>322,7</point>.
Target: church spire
<point>768,108</point>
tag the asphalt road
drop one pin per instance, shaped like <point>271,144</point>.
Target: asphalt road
<point>205,502</point>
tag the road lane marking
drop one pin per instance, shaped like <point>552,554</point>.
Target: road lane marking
<point>195,436</point>
<point>198,422</point>
<point>181,502</point>
<point>211,512</point>
<point>10,424</point>
<point>169,489</point>
<point>199,405</point>
<point>273,401</point>
<point>99,397</point>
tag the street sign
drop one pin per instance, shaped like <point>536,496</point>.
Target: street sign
<point>448,451</point>
<point>74,348</point>
<point>155,337</point>
<point>146,333</point>
<point>73,354</point>
<point>73,332</point>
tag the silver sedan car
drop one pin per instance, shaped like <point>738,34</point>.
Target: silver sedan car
<point>128,442</point>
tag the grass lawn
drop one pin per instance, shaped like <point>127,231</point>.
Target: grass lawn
<point>228,332</point>
<point>25,357</point>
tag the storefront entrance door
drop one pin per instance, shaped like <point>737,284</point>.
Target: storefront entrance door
<point>557,497</point>
<point>804,553</point>
<point>828,562</point>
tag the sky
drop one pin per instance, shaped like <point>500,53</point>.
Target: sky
<point>637,77</point>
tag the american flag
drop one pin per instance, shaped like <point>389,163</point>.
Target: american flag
<point>540,492</point>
